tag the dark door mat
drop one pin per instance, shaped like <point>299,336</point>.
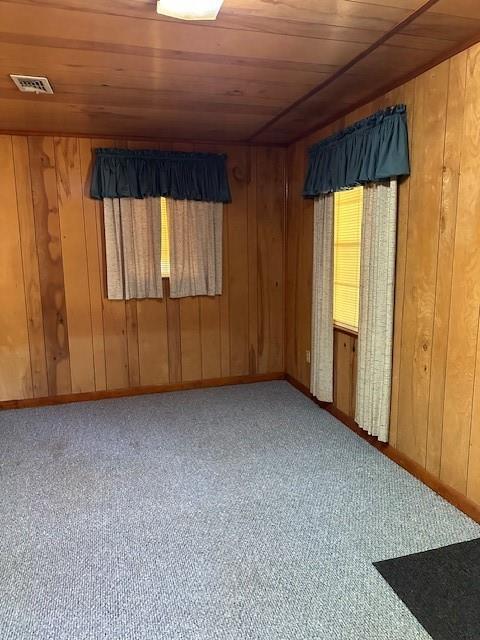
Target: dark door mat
<point>441,588</point>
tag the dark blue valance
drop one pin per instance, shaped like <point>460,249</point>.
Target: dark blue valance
<point>124,173</point>
<point>372,149</point>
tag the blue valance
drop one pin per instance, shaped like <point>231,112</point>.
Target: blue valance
<point>124,173</point>
<point>372,149</point>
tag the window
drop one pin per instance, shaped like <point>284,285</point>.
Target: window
<point>348,207</point>
<point>165,246</point>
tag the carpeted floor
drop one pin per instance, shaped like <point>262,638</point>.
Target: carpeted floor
<point>240,513</point>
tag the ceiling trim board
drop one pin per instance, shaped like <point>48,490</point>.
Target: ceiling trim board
<point>133,138</point>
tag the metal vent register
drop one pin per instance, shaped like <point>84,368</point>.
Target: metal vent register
<point>32,84</point>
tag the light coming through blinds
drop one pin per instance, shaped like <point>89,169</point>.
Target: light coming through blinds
<point>165,246</point>
<point>347,239</point>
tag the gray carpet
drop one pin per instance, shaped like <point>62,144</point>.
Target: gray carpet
<point>223,514</point>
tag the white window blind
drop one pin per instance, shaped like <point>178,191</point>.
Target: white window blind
<point>347,239</point>
<point>165,244</point>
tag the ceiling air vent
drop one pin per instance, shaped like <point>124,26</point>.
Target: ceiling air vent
<point>32,84</point>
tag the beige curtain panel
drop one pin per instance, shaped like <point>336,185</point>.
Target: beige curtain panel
<point>321,382</point>
<point>132,247</point>
<point>377,286</point>
<point>195,230</point>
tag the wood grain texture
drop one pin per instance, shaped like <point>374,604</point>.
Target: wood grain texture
<point>305,59</point>
<point>295,166</point>
<point>299,267</point>
<point>435,410</point>
<point>14,347</point>
<point>152,342</point>
<point>210,336</point>
<point>445,256</point>
<point>174,340</point>
<point>50,260</point>
<point>61,335</point>
<point>428,139</point>
<point>138,391</point>
<point>403,95</point>
<point>345,367</point>
<point>270,169</point>
<point>237,233</point>
<point>190,338</point>
<point>77,291</point>
<point>93,243</point>
<point>31,275</point>
<point>473,470</point>
<point>252,229</point>
<point>465,297</point>
<point>131,317</point>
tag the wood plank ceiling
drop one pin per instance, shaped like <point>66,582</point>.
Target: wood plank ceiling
<point>266,71</point>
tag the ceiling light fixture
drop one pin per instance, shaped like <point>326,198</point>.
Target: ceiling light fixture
<point>190,9</point>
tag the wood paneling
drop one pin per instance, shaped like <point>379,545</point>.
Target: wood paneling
<point>435,389</point>
<point>452,153</point>
<point>60,335</point>
<point>406,95</point>
<point>95,265</point>
<point>88,396</point>
<point>50,261</point>
<point>269,67</point>
<point>421,260</point>
<point>345,369</point>
<point>14,348</point>
<point>270,213</point>
<point>299,268</point>
<point>463,330</point>
<point>31,276</point>
<point>237,259</point>
<point>77,292</point>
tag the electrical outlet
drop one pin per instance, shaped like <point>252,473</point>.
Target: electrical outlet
<point>307,355</point>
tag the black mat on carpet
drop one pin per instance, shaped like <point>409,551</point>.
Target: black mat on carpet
<point>441,588</point>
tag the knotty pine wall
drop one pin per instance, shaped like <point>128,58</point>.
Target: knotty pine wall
<point>435,414</point>
<point>58,332</point>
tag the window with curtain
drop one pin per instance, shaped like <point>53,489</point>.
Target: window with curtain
<point>153,238</point>
<point>163,217</point>
<point>348,208</point>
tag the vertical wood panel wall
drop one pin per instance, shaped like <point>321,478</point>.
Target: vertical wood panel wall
<point>435,413</point>
<point>58,332</point>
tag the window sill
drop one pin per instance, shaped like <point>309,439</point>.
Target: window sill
<point>348,330</point>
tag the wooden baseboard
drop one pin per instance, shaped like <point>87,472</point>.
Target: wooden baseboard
<point>457,499</point>
<point>137,391</point>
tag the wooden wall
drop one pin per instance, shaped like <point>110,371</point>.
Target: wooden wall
<point>435,413</point>
<point>58,332</point>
